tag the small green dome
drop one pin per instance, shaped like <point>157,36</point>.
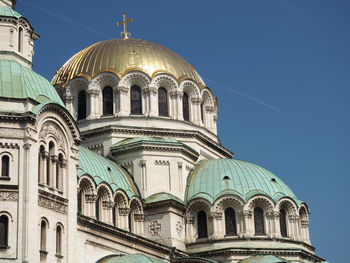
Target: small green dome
<point>102,169</point>
<point>264,259</point>
<point>8,11</point>
<point>132,258</point>
<point>20,82</point>
<point>211,179</point>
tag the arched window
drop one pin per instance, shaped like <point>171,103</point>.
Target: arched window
<point>259,221</point>
<point>82,105</point>
<point>202,112</point>
<point>185,107</point>
<point>97,208</point>
<point>283,223</point>
<point>107,97</point>
<point>5,166</point>
<point>135,100</point>
<point>79,201</point>
<point>43,235</point>
<point>58,240</point>
<point>20,39</point>
<point>202,224</point>
<point>230,222</point>
<point>4,228</point>
<point>163,102</point>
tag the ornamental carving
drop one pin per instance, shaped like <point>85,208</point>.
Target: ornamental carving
<point>124,211</point>
<point>51,129</point>
<point>135,78</point>
<point>216,215</point>
<point>8,196</point>
<point>103,80</point>
<point>9,145</point>
<point>107,204</point>
<point>52,205</point>
<point>179,228</point>
<point>155,228</point>
<point>139,217</point>
<point>190,220</point>
<point>11,133</point>
<point>164,81</point>
<point>91,198</point>
<point>191,88</point>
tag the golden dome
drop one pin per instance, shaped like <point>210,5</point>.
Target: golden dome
<point>123,55</point>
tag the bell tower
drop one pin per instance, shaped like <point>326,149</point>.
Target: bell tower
<point>16,35</point>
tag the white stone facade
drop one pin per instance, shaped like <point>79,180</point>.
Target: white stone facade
<point>54,215</point>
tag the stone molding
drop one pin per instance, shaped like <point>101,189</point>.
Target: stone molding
<point>161,162</point>
<point>124,211</point>
<point>7,145</point>
<point>139,217</point>
<point>91,198</point>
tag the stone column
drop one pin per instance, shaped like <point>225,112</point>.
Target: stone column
<point>179,105</point>
<point>247,226</point>
<point>122,220</point>
<point>89,207</point>
<point>209,116</point>
<point>124,103</point>
<point>93,109</point>
<point>53,171</point>
<point>151,103</point>
<point>43,169</point>
<point>107,212</point>
<point>196,111</point>
<point>143,176</point>
<point>25,202</point>
<point>305,231</point>
<point>69,104</point>
<point>276,221</point>
<point>139,219</point>
<point>190,233</point>
<point>217,225</point>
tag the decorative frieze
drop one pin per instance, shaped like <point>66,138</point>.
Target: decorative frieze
<point>216,215</point>
<point>52,205</point>
<point>9,145</point>
<point>8,196</point>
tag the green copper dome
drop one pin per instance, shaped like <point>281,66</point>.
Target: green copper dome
<point>132,258</point>
<point>102,169</point>
<point>211,179</point>
<point>8,11</point>
<point>20,82</point>
<point>264,259</point>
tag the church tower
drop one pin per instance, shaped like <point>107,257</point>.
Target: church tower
<point>17,36</point>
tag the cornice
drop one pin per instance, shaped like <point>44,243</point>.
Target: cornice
<point>101,227</point>
<point>160,133</point>
<point>159,148</point>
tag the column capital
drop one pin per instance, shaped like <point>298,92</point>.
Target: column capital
<point>124,211</point>
<point>122,90</point>
<point>93,92</point>
<point>139,217</point>
<point>91,198</point>
<point>107,204</point>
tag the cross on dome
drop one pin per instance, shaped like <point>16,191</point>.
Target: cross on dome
<point>125,34</point>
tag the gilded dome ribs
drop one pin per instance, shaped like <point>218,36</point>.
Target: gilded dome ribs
<point>124,55</point>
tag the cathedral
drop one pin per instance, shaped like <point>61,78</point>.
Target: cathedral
<point>118,160</point>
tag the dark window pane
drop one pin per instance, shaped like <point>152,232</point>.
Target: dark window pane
<point>163,102</point>
<point>59,241</point>
<point>4,231</point>
<point>43,236</point>
<point>97,208</point>
<point>259,221</point>
<point>82,105</point>
<point>107,95</point>
<point>79,201</point>
<point>185,107</point>
<point>202,224</point>
<point>202,112</point>
<point>283,223</point>
<point>5,166</point>
<point>230,222</point>
<point>135,100</point>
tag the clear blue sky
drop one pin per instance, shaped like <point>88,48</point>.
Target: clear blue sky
<point>280,69</point>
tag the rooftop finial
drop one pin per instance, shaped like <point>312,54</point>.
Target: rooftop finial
<point>125,34</point>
